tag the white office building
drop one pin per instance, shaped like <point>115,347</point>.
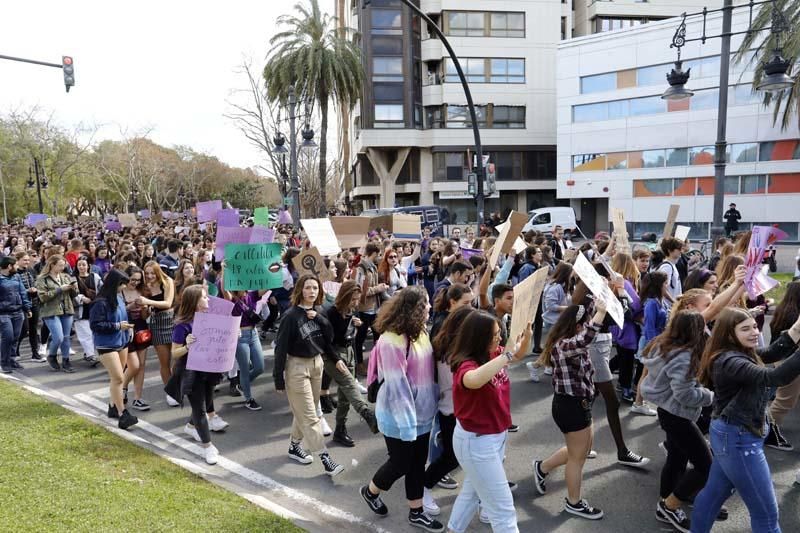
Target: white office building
<point>621,145</point>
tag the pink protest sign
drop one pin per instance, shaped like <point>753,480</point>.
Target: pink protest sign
<point>219,306</point>
<point>755,281</point>
<point>215,347</point>
<point>207,211</point>
<point>237,235</point>
<point>284,217</point>
<point>228,218</point>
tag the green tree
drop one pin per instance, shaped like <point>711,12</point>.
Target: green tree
<point>785,103</point>
<point>312,56</point>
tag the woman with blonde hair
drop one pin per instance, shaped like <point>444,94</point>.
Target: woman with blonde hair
<point>160,291</point>
<point>56,289</point>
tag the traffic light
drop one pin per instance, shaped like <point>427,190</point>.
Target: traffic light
<point>69,71</point>
<point>472,184</point>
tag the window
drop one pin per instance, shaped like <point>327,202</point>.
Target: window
<point>507,25</point>
<point>731,185</point>
<point>458,116</point>
<point>541,218</point>
<point>388,116</point>
<point>386,22</point>
<point>387,69</point>
<point>586,162</point>
<point>433,117</point>
<point>599,83</point>
<point>508,165</point>
<point>754,184</point>
<point>590,112</point>
<point>466,23</point>
<point>701,155</point>
<point>655,75</point>
<point>744,95</point>
<point>646,106</point>
<point>507,71</point>
<point>677,157</point>
<point>508,116</point>
<point>449,166</point>
<point>387,46</point>
<point>618,109</point>
<point>653,158</point>
<point>706,99</point>
<point>705,186</point>
<point>474,70</point>
<point>618,161</point>
<point>649,188</point>
<point>784,183</point>
<point>387,92</point>
<point>779,150</point>
<point>743,153</point>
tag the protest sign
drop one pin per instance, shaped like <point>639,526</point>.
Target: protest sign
<point>672,216</point>
<point>509,231</point>
<point>620,230</point>
<point>42,225</point>
<point>597,285</point>
<point>519,246</point>
<point>144,213</point>
<point>682,232</point>
<point>113,225</point>
<point>526,301</point>
<point>406,227</point>
<point>755,281</point>
<point>351,231</point>
<point>251,267</point>
<point>383,222</point>
<point>261,216</point>
<point>320,233</point>
<point>157,217</point>
<point>215,347</point>
<point>466,253</point>
<point>33,218</point>
<point>219,306</point>
<point>284,217</point>
<point>109,218</point>
<point>228,218</point>
<point>207,211</point>
<point>128,220</point>
<point>237,235</point>
<point>310,262</point>
<point>166,215</point>
<point>61,231</point>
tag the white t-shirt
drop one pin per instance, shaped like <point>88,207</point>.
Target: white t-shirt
<point>674,280</point>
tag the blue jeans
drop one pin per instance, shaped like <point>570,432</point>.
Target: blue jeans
<point>739,463</point>
<point>248,350</point>
<point>485,482</point>
<point>60,327</point>
<point>434,450</point>
<point>10,330</point>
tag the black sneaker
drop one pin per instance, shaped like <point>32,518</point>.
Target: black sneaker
<point>297,453</point>
<point>374,501</point>
<point>16,366</point>
<point>419,519</point>
<point>631,459</point>
<point>582,509</point>
<point>540,476</point>
<point>513,428</point>
<point>6,369</point>
<point>677,518</point>
<point>448,483</point>
<point>140,405</point>
<point>512,486</point>
<point>66,366</point>
<point>112,411</point>
<point>776,440</point>
<point>326,404</point>
<point>52,360</point>
<point>628,396</point>
<point>252,405</point>
<point>332,468</point>
<point>127,420</point>
<point>234,387</point>
<point>125,396</point>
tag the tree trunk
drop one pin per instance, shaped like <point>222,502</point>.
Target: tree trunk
<point>323,153</point>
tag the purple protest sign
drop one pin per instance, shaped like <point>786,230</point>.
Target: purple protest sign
<point>61,231</point>
<point>466,253</point>
<point>33,218</point>
<point>113,225</point>
<point>755,281</point>
<point>228,218</point>
<point>144,213</point>
<point>219,306</point>
<point>284,217</point>
<point>166,215</point>
<point>207,211</point>
<point>215,347</point>
<point>254,235</point>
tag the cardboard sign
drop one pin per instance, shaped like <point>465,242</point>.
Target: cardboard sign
<point>207,211</point>
<point>215,347</point>
<point>42,225</point>
<point>406,227</point>
<point>157,217</point>
<point>351,231</point>
<point>261,216</point>
<point>252,267</point>
<point>381,222</point>
<point>128,220</point>
<point>219,306</point>
<point>310,262</point>
<point>237,235</point>
<point>597,285</point>
<point>682,232</point>
<point>671,218</point>
<point>59,220</point>
<point>228,218</point>
<point>526,301</point>
<point>620,230</point>
<point>509,231</point>
<point>755,281</point>
<point>320,233</point>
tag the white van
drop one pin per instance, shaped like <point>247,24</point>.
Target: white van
<point>546,218</point>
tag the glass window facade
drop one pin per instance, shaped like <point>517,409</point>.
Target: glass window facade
<point>387,69</point>
<point>743,153</point>
<point>508,116</point>
<point>507,25</point>
<point>507,71</point>
<point>458,116</point>
<point>485,24</point>
<point>466,23</point>
<point>599,83</point>
<point>388,116</point>
<point>387,22</point>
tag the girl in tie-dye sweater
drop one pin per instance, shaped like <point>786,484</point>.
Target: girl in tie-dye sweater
<point>407,400</point>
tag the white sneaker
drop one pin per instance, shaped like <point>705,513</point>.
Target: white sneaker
<point>42,350</point>
<point>533,371</point>
<point>216,423</point>
<point>429,504</point>
<point>326,429</point>
<point>483,517</point>
<point>548,371</point>
<point>591,455</point>
<point>361,388</point>
<point>71,351</point>
<point>172,402</point>
<point>212,454</point>
<point>192,432</point>
<point>643,409</point>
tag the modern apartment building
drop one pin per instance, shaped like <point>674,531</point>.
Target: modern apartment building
<point>621,145</point>
<point>599,16</point>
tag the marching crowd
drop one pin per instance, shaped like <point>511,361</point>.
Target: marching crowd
<point>690,353</point>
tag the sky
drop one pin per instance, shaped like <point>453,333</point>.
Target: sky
<point>166,65</point>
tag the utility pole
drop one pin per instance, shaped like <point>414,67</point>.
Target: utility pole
<point>38,183</point>
<point>293,158</point>
<point>720,146</point>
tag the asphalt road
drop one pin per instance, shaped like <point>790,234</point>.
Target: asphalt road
<point>259,441</point>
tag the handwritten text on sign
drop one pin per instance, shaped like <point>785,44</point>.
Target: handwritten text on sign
<point>215,347</point>
<point>252,267</point>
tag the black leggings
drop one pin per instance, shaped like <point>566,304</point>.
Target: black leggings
<point>202,401</point>
<point>684,443</point>
<point>29,330</point>
<point>405,459</point>
<point>626,360</point>
<point>361,335</point>
<point>446,462</point>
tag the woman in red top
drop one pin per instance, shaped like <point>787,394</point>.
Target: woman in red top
<point>482,405</point>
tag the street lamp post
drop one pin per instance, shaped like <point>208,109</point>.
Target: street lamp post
<point>776,81</point>
<point>40,183</point>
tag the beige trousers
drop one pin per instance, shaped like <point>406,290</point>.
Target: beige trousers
<point>785,400</point>
<point>303,383</point>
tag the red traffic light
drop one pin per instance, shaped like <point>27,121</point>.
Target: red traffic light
<point>66,60</point>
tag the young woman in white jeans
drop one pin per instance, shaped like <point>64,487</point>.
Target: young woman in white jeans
<point>482,405</point>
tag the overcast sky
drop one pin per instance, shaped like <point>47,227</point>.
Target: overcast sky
<point>167,64</point>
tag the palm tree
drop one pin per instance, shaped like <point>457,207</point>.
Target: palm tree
<point>312,55</point>
<point>787,102</point>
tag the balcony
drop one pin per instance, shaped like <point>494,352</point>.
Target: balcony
<point>432,50</point>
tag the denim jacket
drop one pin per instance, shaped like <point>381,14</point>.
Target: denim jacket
<point>13,295</point>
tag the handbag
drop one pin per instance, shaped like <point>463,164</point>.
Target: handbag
<point>375,385</point>
<point>143,337</point>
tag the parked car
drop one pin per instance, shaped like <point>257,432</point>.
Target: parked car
<point>546,218</point>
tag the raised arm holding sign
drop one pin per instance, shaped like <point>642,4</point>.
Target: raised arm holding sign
<point>526,301</point>
<point>598,286</point>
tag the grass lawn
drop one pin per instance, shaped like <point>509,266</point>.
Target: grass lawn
<point>59,472</point>
<point>785,278</point>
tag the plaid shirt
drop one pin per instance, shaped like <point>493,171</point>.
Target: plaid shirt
<point>29,281</point>
<point>572,366</point>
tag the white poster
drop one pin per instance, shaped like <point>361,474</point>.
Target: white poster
<point>320,233</point>
<point>682,232</point>
<point>597,284</point>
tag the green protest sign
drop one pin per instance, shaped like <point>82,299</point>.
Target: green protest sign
<point>251,267</point>
<point>261,216</point>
